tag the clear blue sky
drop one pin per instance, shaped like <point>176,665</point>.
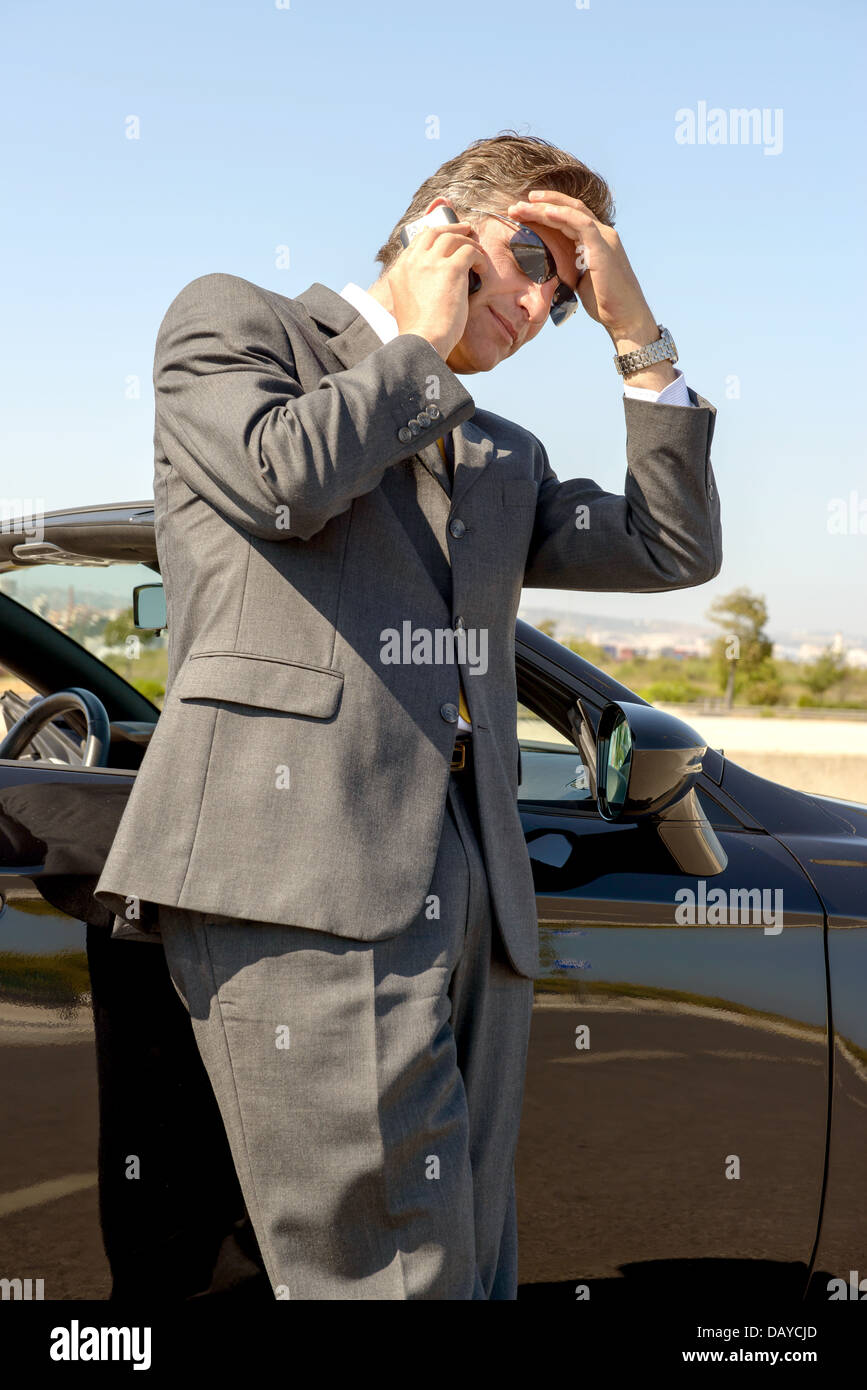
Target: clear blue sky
<point>305,127</point>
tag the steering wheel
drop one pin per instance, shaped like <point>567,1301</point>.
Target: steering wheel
<point>43,711</point>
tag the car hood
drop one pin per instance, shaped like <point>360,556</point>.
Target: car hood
<point>854,811</point>
<point>827,836</point>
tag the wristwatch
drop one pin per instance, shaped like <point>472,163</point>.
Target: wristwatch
<point>660,351</point>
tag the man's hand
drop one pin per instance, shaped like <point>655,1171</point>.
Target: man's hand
<point>429,283</point>
<point>608,289</point>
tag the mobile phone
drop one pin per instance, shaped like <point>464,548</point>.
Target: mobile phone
<point>440,215</point>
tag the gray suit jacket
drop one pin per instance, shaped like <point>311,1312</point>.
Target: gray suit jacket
<point>294,775</point>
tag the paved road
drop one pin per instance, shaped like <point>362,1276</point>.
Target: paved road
<point>619,1162</point>
<point>48,1101</point>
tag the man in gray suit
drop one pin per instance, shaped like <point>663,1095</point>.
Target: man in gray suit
<point>324,832</point>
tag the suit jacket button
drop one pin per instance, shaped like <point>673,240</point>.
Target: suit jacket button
<point>433,411</point>
<point>457,528</point>
<point>449,713</point>
<point>414,425</point>
<point>404,435</point>
<point>424,417</point>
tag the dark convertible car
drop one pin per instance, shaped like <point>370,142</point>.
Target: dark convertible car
<point>695,1114</point>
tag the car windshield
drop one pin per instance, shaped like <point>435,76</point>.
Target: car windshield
<point>92,604</point>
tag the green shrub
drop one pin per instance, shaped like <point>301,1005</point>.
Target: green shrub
<point>152,690</point>
<point>763,687</point>
<point>671,693</point>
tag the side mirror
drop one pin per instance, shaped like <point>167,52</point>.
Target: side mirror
<point>647,765</point>
<point>149,607</point>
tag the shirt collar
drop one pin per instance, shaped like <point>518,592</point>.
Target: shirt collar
<point>381,321</point>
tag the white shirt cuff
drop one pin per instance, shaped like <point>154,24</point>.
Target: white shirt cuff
<point>675,393</point>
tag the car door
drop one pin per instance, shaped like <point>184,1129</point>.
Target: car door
<point>674,1125</point>
<point>116,1178</point>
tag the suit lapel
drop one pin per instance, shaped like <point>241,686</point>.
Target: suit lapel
<point>432,459</point>
<point>474,450</point>
<point>347,333</point>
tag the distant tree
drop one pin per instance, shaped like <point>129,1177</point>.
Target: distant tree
<point>742,653</point>
<point>548,626</point>
<point>764,686</point>
<point>825,671</point>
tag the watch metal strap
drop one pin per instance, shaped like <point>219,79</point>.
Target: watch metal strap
<point>660,351</point>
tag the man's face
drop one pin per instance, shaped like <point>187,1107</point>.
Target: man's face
<point>508,294</point>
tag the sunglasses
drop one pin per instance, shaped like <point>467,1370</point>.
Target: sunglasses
<point>536,261</point>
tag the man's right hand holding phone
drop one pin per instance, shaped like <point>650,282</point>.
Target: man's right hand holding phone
<point>429,283</point>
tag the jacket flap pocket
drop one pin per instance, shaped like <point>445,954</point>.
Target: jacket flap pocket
<point>266,682</point>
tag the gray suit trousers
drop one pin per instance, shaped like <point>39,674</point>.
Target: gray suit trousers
<point>371,1091</point>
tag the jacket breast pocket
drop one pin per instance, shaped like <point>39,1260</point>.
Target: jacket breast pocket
<point>242,678</point>
<point>518,492</point>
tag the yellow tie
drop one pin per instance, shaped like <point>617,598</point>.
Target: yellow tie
<point>462,704</point>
